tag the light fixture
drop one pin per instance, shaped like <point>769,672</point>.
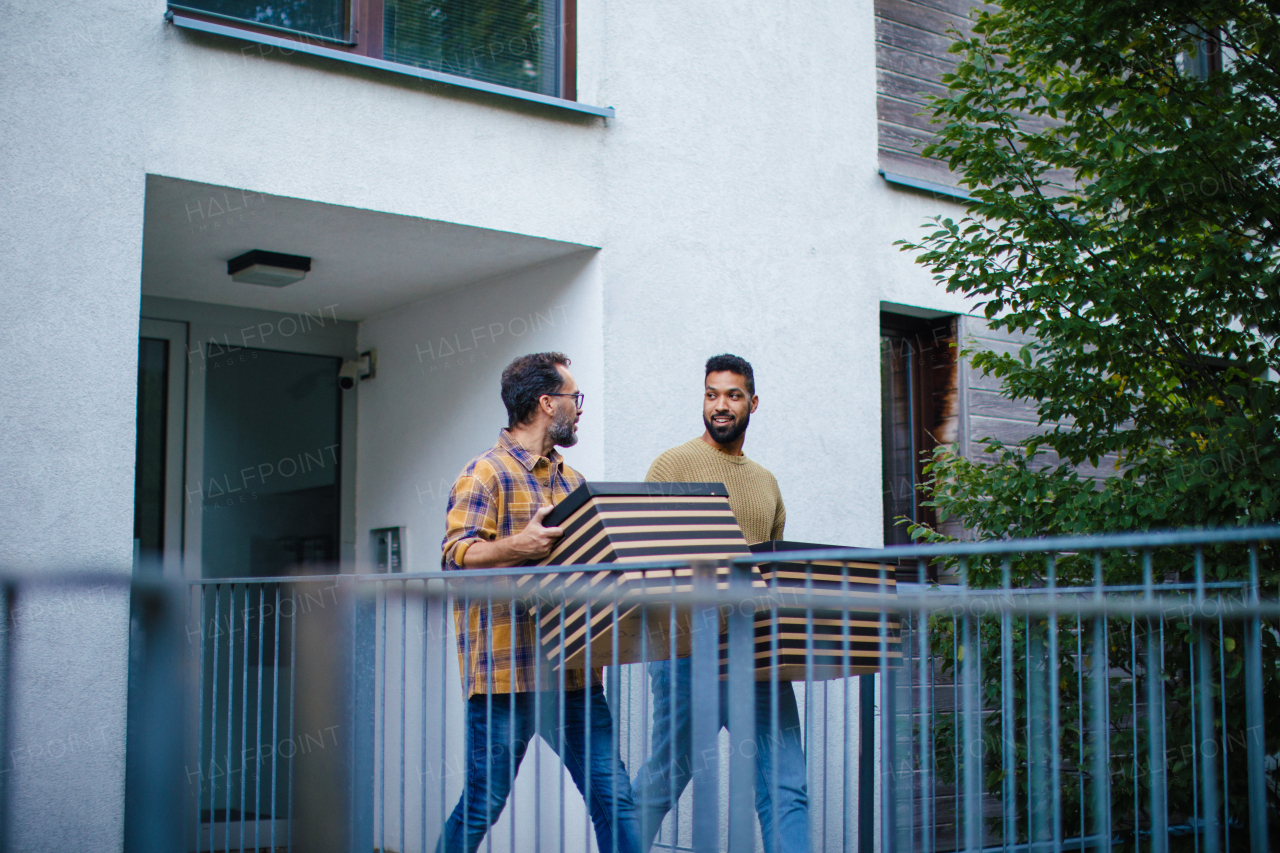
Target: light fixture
<point>271,269</point>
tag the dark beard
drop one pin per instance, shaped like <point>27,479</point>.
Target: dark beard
<point>561,432</point>
<point>729,434</point>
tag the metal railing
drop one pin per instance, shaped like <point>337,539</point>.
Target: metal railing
<point>1029,707</point>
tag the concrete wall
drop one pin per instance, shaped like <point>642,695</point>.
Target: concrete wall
<point>735,197</point>
<point>435,403</point>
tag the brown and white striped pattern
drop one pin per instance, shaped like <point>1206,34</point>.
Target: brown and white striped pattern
<point>608,530</point>
<point>845,640</point>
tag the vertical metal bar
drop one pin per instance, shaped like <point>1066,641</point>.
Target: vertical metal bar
<point>1133,717</point>
<point>586,737</point>
<point>956,727</point>
<point>1037,713</point>
<point>1255,749</point>
<point>204,631</point>
<point>844,706</point>
<point>775,725</point>
<point>1226,775</point>
<point>889,841</point>
<point>257,726</point>
<point>380,762</point>
<point>972,724</point>
<point>1081,725</point>
<point>404,740</point>
<point>560,700</point>
<point>536,615</point>
<point>275,716</point>
<point>1209,767</point>
<point>512,617</point>
<point>1100,700</point>
<point>809,692</point>
<point>244,707</point>
<point>1055,745</point>
<point>1008,729</point>
<point>1155,720</point>
<point>231,676</point>
<point>615,690</point>
<point>671,714</point>
<point>293,697</point>
<point>488,713</point>
<point>7,657</point>
<point>705,710</point>
<point>926,727</point>
<point>1192,660</point>
<point>446,607</point>
<point>742,714</point>
<point>422,763</point>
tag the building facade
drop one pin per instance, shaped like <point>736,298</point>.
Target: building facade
<point>646,186</point>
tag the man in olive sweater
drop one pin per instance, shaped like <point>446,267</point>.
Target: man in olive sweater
<point>728,402</point>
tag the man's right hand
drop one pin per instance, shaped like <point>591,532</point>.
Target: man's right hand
<point>532,543</point>
<point>536,541</point>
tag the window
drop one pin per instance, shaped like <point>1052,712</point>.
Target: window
<point>918,411</point>
<point>527,45</point>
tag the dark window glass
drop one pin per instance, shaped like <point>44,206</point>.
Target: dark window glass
<point>271,451</point>
<point>148,482</point>
<point>919,404</point>
<point>507,42</point>
<point>898,435</point>
<point>326,18</point>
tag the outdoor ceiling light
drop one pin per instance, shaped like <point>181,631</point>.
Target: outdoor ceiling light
<point>271,269</point>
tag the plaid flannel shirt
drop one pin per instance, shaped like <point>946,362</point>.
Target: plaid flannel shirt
<point>494,497</point>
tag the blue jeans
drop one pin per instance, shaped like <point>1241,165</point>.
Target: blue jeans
<point>661,780</point>
<point>497,740</point>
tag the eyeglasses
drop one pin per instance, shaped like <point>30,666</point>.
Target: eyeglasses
<point>578,397</point>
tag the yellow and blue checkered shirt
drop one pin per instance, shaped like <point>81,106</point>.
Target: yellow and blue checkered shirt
<point>494,497</point>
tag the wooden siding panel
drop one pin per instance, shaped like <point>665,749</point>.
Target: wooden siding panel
<point>930,19</point>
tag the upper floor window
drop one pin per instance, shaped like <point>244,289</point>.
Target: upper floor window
<point>521,44</point>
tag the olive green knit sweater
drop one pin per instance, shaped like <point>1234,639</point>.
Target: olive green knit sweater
<point>753,492</point>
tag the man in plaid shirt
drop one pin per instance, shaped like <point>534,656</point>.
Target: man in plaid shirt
<point>495,514</point>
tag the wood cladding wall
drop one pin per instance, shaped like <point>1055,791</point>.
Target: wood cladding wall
<point>911,57</point>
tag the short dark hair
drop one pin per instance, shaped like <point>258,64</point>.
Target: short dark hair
<point>526,379</point>
<point>733,364</point>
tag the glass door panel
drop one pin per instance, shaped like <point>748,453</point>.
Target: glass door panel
<point>271,479</point>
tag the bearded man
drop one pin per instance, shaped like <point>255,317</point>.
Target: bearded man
<point>496,509</point>
<point>782,803</point>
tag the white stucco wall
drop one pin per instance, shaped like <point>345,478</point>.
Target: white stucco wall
<point>435,402</point>
<point>735,198</point>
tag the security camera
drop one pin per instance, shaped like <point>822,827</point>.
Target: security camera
<point>348,375</point>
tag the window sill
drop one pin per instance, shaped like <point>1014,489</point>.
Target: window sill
<point>288,46</point>
<point>926,186</point>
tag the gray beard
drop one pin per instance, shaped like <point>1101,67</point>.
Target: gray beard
<point>562,433</point>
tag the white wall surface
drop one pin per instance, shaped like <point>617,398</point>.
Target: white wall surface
<point>435,402</point>
<point>75,114</point>
<point>735,198</point>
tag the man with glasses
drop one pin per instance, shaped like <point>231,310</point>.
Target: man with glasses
<point>494,519</point>
<point>728,401</point>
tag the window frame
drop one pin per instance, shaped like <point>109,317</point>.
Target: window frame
<point>364,46</point>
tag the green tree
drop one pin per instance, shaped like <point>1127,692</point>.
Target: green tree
<point>1126,212</point>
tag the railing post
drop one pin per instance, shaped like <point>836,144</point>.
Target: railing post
<point>155,790</point>
<point>705,710</point>
<point>1254,750</point>
<point>866,762</point>
<point>742,714</point>
<point>888,735</point>
<point>334,707</point>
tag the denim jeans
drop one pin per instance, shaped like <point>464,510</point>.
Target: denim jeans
<point>784,825</point>
<point>497,740</point>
